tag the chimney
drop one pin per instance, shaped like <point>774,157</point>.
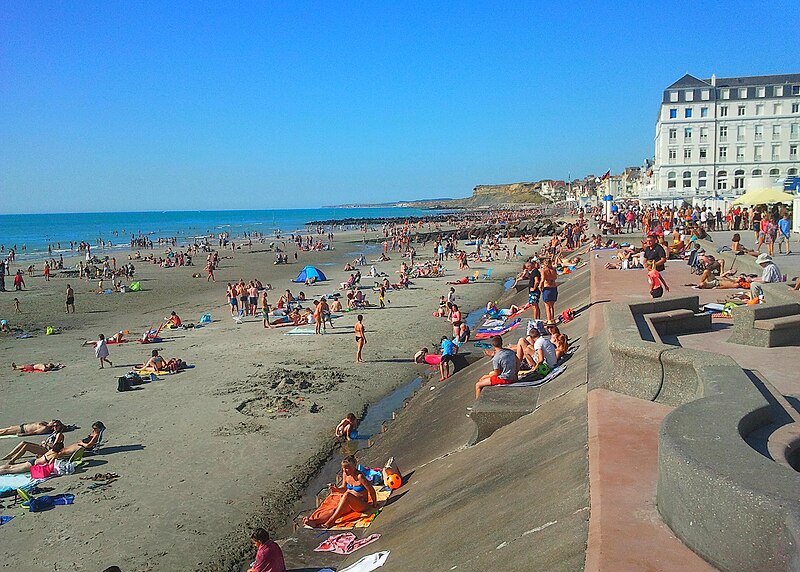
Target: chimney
<point>714,80</point>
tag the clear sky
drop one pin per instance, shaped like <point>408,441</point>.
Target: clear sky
<point>203,105</point>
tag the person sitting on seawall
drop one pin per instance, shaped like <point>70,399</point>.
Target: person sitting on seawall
<point>47,459</point>
<point>347,428</point>
<point>87,443</point>
<point>771,273</point>
<point>57,436</point>
<point>155,363</point>
<point>34,428</point>
<point>269,557</point>
<point>504,364</point>
<point>535,349</point>
<point>356,495</point>
<point>559,340</point>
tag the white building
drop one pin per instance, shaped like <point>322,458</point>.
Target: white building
<point>723,136</point>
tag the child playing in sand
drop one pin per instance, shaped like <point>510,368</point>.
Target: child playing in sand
<point>16,306</point>
<point>100,350</point>
<point>347,427</point>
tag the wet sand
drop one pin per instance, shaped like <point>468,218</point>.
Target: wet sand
<point>207,454</point>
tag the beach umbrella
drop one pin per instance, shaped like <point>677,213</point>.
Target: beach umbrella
<point>310,272</point>
<point>764,196</point>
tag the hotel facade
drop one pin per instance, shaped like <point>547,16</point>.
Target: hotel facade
<point>721,137</point>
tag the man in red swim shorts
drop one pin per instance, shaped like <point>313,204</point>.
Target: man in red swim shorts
<point>504,367</point>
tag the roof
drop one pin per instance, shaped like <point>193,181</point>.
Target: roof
<point>690,81</point>
<point>752,80</point>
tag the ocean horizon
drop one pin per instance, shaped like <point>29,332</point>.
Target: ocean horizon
<point>31,234</point>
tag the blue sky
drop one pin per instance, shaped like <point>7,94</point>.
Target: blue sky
<point>140,106</point>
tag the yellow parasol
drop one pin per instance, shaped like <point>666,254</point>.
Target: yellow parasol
<point>765,196</point>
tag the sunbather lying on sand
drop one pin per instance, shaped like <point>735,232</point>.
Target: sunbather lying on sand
<point>50,366</point>
<point>47,458</point>
<point>57,436</point>
<point>356,495</point>
<point>35,428</point>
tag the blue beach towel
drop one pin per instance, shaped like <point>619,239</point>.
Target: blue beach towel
<point>10,483</point>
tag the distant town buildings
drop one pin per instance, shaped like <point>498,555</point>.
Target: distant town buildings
<point>723,136</point>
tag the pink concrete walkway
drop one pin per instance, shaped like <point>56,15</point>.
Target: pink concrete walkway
<point>625,530</point>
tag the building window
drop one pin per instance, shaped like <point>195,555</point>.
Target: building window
<point>673,154</point>
<point>723,153</point>
<point>688,95</point>
<point>793,152</point>
<point>796,90</point>
<point>741,111</point>
<point>703,154</point>
<point>705,94</point>
<point>687,179</point>
<point>739,153</point>
<point>687,153</point>
<point>704,112</point>
<point>671,182</point>
<point>756,173</point>
<point>759,132</point>
<point>776,152</point>
<point>740,132</point>
<point>791,172</point>
<point>774,172</point>
<point>776,131</point>
<point>795,107</point>
<point>759,109</point>
<point>724,93</point>
<point>722,180</point>
<point>723,133</point>
<point>687,134</point>
<point>758,152</point>
<point>761,92</point>
<point>778,91</point>
<point>673,112</point>
<point>793,131</point>
<point>777,108</point>
<point>738,179</point>
<point>687,113</point>
<point>673,96</point>
<point>702,178</point>
<point>673,135</point>
<point>723,111</point>
<point>742,93</point>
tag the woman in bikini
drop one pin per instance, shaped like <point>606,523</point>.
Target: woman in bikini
<point>89,442</point>
<point>355,495</point>
<point>57,436</point>
<point>38,428</point>
<point>361,338</point>
<point>48,458</point>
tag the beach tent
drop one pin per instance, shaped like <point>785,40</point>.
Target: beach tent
<point>310,272</point>
<point>764,196</point>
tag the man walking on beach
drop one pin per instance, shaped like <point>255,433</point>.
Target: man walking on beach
<point>361,338</point>
<point>70,302</point>
<point>2,275</point>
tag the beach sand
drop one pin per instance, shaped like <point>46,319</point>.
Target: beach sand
<point>207,454</point>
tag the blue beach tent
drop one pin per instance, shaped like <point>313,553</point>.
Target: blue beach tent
<point>310,272</point>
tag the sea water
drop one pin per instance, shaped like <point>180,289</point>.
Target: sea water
<point>36,231</point>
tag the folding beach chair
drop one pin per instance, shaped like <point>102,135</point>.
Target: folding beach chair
<point>488,274</point>
<point>239,317</point>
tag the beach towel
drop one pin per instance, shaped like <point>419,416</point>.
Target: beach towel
<point>354,519</point>
<point>10,483</point>
<point>368,563</point>
<point>490,333</point>
<point>345,543</point>
<point>526,381</point>
<point>147,372</point>
<point>498,329</point>
<point>493,324</point>
<point>23,336</point>
<point>308,330</point>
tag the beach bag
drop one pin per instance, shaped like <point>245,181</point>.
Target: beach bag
<point>41,471</point>
<point>135,286</point>
<point>205,319</point>
<point>63,467</point>
<point>49,331</point>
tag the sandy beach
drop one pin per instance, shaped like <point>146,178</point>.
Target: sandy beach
<point>206,454</point>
